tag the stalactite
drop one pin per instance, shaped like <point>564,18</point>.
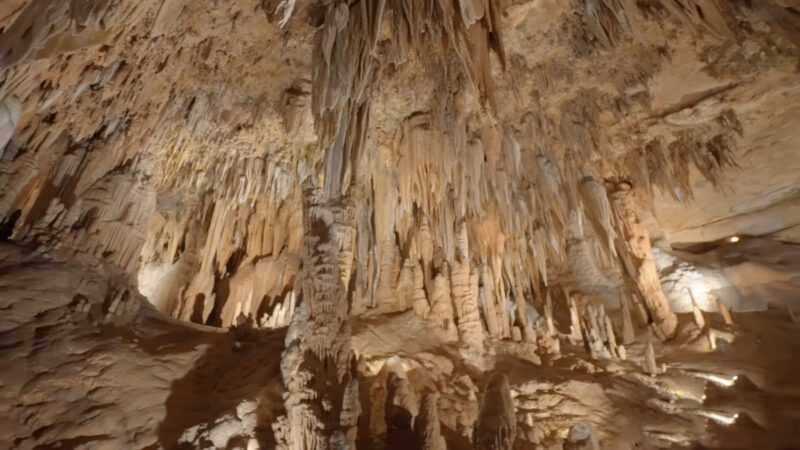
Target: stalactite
<point>597,208</point>
<point>279,11</point>
<point>782,16</point>
<point>458,206</point>
<point>610,19</point>
<point>344,63</point>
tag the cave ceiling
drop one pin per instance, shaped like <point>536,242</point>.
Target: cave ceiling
<point>367,223</point>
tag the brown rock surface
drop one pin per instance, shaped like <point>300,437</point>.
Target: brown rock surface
<point>298,223</point>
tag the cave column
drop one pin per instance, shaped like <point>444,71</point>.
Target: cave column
<point>467,312</point>
<point>322,405</point>
<point>637,253</point>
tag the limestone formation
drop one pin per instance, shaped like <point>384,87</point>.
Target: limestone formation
<point>639,262</point>
<point>582,437</point>
<point>699,320</point>
<point>427,426</point>
<point>496,427</point>
<point>319,224</point>
<point>724,312</point>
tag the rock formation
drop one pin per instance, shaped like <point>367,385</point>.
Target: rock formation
<point>496,427</point>
<point>316,224</point>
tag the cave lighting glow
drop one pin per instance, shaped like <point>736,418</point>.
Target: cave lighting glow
<point>719,380</point>
<point>720,418</point>
<point>733,239</point>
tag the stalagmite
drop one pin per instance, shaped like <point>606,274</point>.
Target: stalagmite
<point>467,312</point>
<point>490,310</point>
<point>496,427</point>
<point>724,311</point>
<point>442,313</point>
<point>419,300</point>
<point>576,335</point>
<point>427,426</point>
<point>650,365</point>
<point>523,321</point>
<point>792,316</point>
<point>582,436</point>
<point>548,314</point>
<point>715,335</point>
<point>401,404</point>
<point>699,320</point>
<point>388,271</point>
<point>611,336</point>
<point>596,333</point>
<point>637,247</point>
<point>628,334</point>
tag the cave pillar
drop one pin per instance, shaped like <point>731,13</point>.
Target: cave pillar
<point>322,406</point>
<point>637,254</point>
<point>467,312</point>
<point>490,313</point>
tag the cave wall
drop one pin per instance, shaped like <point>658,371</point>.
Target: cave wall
<point>489,168</point>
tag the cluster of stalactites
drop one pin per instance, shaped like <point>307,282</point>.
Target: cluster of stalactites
<point>421,235</point>
<point>65,194</point>
<point>41,21</point>
<point>343,77</point>
<point>432,167</point>
<point>610,20</point>
<point>347,62</point>
<point>470,29</point>
<point>666,165</point>
<point>246,229</point>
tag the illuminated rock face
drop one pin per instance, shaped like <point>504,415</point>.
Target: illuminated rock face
<point>346,215</point>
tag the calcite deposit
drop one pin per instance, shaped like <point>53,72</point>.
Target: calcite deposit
<point>338,224</point>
